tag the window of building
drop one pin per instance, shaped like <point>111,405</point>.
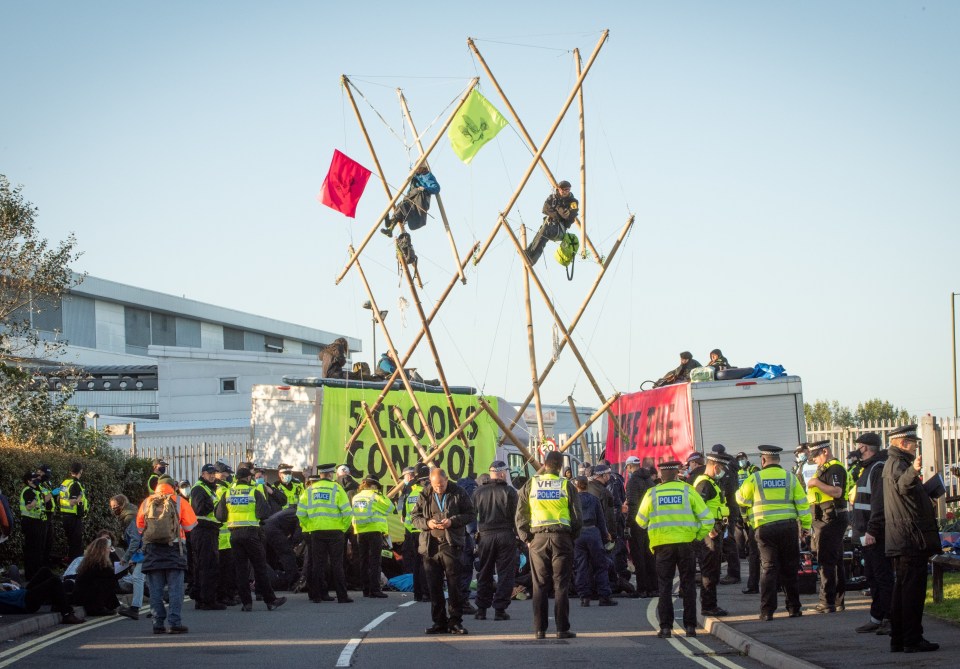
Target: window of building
<point>188,332</point>
<point>232,339</point>
<point>310,349</point>
<point>163,329</point>
<point>228,385</point>
<point>47,314</point>
<point>273,344</point>
<point>136,325</point>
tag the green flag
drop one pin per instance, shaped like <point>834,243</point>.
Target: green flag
<point>475,124</point>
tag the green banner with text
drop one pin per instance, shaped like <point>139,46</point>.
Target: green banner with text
<point>343,410</point>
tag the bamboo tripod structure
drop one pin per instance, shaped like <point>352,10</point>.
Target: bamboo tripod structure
<point>429,450</point>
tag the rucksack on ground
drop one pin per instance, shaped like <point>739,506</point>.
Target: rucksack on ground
<point>162,520</point>
<point>567,249</point>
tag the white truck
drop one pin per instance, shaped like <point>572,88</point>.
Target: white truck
<point>307,425</point>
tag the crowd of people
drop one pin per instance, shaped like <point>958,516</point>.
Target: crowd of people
<point>233,536</point>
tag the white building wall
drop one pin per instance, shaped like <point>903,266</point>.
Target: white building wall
<point>211,336</point>
<point>111,335</point>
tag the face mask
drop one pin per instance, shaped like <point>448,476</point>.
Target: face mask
<point>260,481</point>
<point>161,470</point>
<point>719,474</point>
<point>802,458</point>
<point>742,463</point>
<point>109,544</point>
<point>286,478</point>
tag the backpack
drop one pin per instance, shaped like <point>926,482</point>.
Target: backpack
<point>567,249</point>
<point>162,518</point>
<point>405,248</point>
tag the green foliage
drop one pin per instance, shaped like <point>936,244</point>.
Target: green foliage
<point>949,608</point>
<point>834,414</point>
<point>107,472</point>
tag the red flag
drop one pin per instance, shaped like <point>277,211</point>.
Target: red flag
<point>344,184</point>
<point>657,422</point>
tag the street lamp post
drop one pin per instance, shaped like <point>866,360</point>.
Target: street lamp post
<point>953,345</point>
<point>373,317</point>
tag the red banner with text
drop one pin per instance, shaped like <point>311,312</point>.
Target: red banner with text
<point>656,422</point>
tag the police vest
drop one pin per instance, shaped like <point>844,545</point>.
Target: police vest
<point>292,493</point>
<point>718,510</point>
<point>37,512</point>
<point>370,510</point>
<point>865,492</point>
<point>214,497</point>
<point>408,505</point>
<point>64,497</point>
<point>743,473</point>
<point>548,501</point>
<point>817,496</point>
<point>242,506</point>
<point>324,505</point>
<point>774,494</point>
<point>673,513</point>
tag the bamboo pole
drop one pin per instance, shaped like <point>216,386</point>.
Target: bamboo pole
<point>576,319</point>
<point>379,439</point>
<point>556,316</point>
<point>430,343</point>
<point>523,130</point>
<point>443,212</point>
<point>348,85</point>
<point>410,433</point>
<point>508,432</point>
<point>573,411</point>
<point>410,351</point>
<point>583,162</point>
<point>355,254</point>
<point>531,349</point>
<point>583,428</point>
<point>393,351</point>
<point>456,433</point>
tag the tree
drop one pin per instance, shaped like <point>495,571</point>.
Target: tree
<point>876,410</point>
<point>828,413</point>
<point>33,277</point>
<point>834,414</point>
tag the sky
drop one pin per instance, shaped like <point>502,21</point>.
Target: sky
<point>792,167</point>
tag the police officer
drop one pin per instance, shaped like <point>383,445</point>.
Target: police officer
<point>325,514</point>
<point>73,507</point>
<point>641,479</point>
<point>708,487</point>
<point>548,520</point>
<point>877,567</point>
<point>496,504</point>
<point>675,516</point>
<point>35,505</point>
<point>281,533</point>
<point>204,541</point>
<point>289,486</point>
<point>746,540</point>
<point>590,563</point>
<point>46,487</point>
<point>730,553</point>
<point>159,469</point>
<point>776,500</point>
<point>242,508</point>
<point>370,511</point>
<point>801,454</point>
<point>414,479</point>
<point>826,492</point>
<point>227,576</point>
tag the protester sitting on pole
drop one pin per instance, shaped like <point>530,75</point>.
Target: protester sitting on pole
<point>412,210</point>
<point>559,213</point>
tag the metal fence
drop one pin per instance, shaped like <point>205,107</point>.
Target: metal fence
<point>186,460</point>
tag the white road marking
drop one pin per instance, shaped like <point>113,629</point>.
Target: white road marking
<point>678,645</point>
<point>36,645</point>
<point>347,653</point>
<point>408,604</point>
<point>376,621</point>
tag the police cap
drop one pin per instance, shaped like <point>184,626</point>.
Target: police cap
<point>905,432</point>
<point>499,466</point>
<point>223,468</point>
<point>327,468</point>
<point>741,454</point>
<point>719,448</point>
<point>770,450</point>
<point>408,470</point>
<point>601,469</point>
<point>696,455</point>
<point>160,462</point>
<point>721,458</point>
<point>284,467</point>
<point>818,446</point>
<point>669,464</point>
<point>242,472</point>
<point>208,469</point>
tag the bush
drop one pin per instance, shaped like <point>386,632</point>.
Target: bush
<point>106,472</point>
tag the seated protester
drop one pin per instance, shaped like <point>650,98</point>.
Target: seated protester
<point>121,507</point>
<point>386,366</point>
<point>718,361</point>
<point>282,533</point>
<point>682,373</point>
<point>96,588</point>
<point>44,588</point>
<point>412,210</point>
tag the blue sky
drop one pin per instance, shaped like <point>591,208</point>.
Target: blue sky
<point>793,168</point>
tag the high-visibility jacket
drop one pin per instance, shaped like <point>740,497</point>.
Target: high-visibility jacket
<point>549,503</point>
<point>292,493</point>
<point>370,510</point>
<point>773,494</point>
<point>718,510</point>
<point>673,513</point>
<point>214,497</point>
<point>64,498</point>
<point>408,504</point>
<point>242,506</point>
<point>37,512</point>
<point>744,472</point>
<point>324,505</point>
<point>817,496</point>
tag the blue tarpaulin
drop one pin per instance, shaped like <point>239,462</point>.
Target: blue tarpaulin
<point>763,370</point>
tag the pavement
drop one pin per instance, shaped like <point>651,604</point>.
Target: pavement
<point>826,640</point>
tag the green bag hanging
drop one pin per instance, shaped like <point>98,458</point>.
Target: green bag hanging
<point>567,249</point>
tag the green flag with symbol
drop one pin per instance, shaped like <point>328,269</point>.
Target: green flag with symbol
<point>475,124</point>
